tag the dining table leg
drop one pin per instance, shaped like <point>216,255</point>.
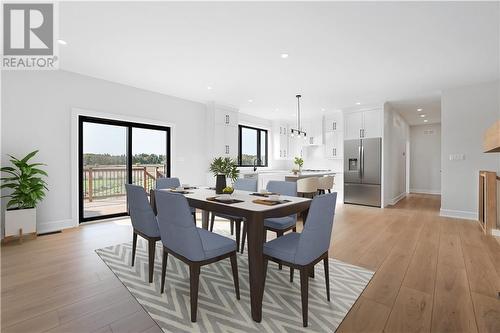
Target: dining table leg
<point>204,219</point>
<point>255,235</point>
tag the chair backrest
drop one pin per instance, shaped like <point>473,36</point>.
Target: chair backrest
<point>315,237</point>
<point>177,230</point>
<point>244,184</point>
<point>307,185</point>
<point>163,183</point>
<point>281,187</point>
<point>325,183</point>
<point>141,213</point>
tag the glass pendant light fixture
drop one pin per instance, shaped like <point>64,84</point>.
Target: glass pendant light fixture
<point>298,131</point>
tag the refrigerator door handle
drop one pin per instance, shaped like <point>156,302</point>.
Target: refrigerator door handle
<point>362,161</point>
<point>359,166</point>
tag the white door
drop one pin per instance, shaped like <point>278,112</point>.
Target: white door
<point>372,124</point>
<point>353,125</point>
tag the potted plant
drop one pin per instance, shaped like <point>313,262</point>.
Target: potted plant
<point>27,188</point>
<point>223,167</point>
<point>299,162</point>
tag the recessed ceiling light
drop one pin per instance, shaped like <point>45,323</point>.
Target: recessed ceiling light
<point>250,100</point>
<point>277,109</point>
<point>422,116</point>
<point>420,109</point>
<point>425,120</point>
<point>322,109</point>
<point>284,55</point>
<point>358,103</point>
<point>62,42</point>
<point>209,88</point>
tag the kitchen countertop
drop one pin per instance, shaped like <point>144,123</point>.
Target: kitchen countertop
<point>306,174</point>
<point>289,174</point>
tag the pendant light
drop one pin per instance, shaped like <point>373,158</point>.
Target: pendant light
<point>298,131</point>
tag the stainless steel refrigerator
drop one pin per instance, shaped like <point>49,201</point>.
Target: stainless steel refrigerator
<point>362,171</point>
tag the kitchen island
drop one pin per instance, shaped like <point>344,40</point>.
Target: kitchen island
<point>308,173</point>
<point>263,177</point>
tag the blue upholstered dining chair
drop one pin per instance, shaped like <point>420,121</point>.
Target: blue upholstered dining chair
<point>194,246</point>
<point>304,250</point>
<point>143,221</point>
<point>241,184</point>
<point>174,182</point>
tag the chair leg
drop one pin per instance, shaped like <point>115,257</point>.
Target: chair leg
<point>134,245</point>
<point>294,229</point>
<point>151,254</point>
<point>327,278</point>
<point>329,191</point>
<point>194,217</point>
<point>244,236</point>
<point>238,233</point>
<point>231,224</point>
<point>279,234</point>
<point>163,270</point>
<point>212,221</point>
<point>304,292</point>
<point>291,274</point>
<point>194,277</point>
<point>234,267</point>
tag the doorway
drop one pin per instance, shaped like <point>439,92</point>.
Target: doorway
<point>113,153</point>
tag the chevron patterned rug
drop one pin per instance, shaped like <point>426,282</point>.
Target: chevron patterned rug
<point>218,308</point>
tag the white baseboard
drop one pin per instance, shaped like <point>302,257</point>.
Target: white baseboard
<point>424,191</point>
<point>395,200</point>
<point>495,232</point>
<point>459,214</point>
<point>45,227</point>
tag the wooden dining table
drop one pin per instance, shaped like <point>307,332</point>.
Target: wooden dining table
<point>254,214</point>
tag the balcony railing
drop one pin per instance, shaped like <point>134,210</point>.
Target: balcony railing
<point>109,181</point>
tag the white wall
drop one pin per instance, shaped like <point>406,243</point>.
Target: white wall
<point>36,114</point>
<point>466,113</point>
<point>396,136</point>
<point>425,159</point>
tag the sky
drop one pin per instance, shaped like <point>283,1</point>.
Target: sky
<point>115,143</point>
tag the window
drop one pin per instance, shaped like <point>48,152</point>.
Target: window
<point>252,146</point>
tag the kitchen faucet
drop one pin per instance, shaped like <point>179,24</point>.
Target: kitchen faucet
<point>255,164</point>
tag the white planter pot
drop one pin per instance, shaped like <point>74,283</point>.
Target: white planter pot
<point>17,219</point>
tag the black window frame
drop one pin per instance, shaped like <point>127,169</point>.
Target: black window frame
<point>129,126</point>
<point>259,131</point>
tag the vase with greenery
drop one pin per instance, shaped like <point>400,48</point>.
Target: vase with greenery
<point>27,187</point>
<point>299,162</point>
<point>222,168</point>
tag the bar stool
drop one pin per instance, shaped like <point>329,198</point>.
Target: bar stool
<point>308,187</point>
<point>325,183</point>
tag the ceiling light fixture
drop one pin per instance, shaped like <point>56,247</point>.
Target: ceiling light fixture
<point>323,109</point>
<point>209,88</point>
<point>62,42</point>
<point>358,103</point>
<point>298,131</point>
<point>250,100</point>
<point>422,116</point>
<point>420,109</point>
<point>284,55</point>
<point>425,120</point>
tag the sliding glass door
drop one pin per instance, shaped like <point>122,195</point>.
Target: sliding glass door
<point>113,153</point>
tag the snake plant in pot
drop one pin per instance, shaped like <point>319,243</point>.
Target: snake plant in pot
<point>222,168</point>
<point>26,187</point>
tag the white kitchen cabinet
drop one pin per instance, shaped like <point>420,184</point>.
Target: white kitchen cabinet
<point>226,141</point>
<point>333,122</point>
<point>334,145</point>
<point>226,117</point>
<point>281,133</point>
<point>314,131</point>
<point>372,123</point>
<point>363,124</point>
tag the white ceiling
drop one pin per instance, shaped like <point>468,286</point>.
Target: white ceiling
<point>408,108</point>
<point>339,53</point>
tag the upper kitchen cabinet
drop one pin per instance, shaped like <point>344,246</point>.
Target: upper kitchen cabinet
<point>222,122</point>
<point>281,141</point>
<point>314,129</point>
<point>226,116</point>
<point>333,122</point>
<point>363,124</point>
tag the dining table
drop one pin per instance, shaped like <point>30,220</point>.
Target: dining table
<point>244,205</point>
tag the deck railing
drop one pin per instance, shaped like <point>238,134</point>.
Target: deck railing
<point>109,181</point>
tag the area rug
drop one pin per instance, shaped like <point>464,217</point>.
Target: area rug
<point>218,308</point>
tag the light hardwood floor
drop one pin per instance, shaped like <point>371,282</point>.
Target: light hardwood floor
<point>432,274</point>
